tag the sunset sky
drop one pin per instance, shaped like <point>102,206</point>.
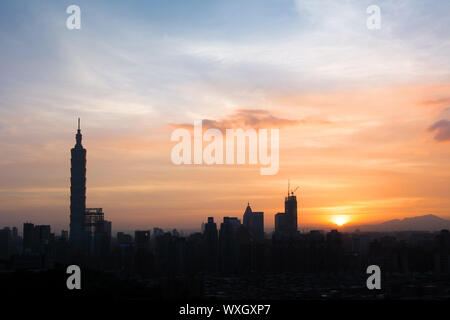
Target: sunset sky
<point>364,115</point>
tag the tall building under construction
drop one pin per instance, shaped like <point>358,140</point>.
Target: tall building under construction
<point>286,222</point>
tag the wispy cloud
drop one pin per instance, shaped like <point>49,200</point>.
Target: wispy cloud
<point>250,118</point>
<point>438,101</point>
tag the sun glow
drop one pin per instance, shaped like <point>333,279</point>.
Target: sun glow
<point>340,220</point>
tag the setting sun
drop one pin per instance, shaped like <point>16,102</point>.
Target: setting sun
<point>340,220</point>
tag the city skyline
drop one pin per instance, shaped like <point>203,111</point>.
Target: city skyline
<point>363,114</point>
<point>84,221</point>
<point>337,220</point>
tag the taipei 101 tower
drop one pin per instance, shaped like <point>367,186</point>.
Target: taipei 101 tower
<point>77,191</point>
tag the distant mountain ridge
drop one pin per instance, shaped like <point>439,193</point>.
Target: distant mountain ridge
<point>427,222</point>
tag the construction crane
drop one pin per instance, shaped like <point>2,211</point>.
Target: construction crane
<point>290,192</point>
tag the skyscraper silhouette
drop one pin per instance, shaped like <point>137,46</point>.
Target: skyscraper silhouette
<point>290,209</point>
<point>254,222</point>
<point>77,191</point>
<point>210,235</point>
<point>286,222</point>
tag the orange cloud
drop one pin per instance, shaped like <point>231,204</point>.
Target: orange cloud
<point>437,101</point>
<point>250,118</point>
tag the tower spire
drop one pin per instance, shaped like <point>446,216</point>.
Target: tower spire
<point>78,136</point>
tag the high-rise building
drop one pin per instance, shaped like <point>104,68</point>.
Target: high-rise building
<point>280,222</point>
<point>227,243</point>
<point>43,233</point>
<point>230,224</point>
<point>254,222</point>
<point>246,219</point>
<point>157,232</point>
<point>290,209</point>
<point>124,240</point>
<point>36,238</point>
<point>29,237</point>
<point>211,239</point>
<point>88,229</point>
<point>6,244</point>
<point>15,233</point>
<point>142,239</point>
<point>210,229</point>
<point>97,231</point>
<point>286,222</point>
<point>77,191</point>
